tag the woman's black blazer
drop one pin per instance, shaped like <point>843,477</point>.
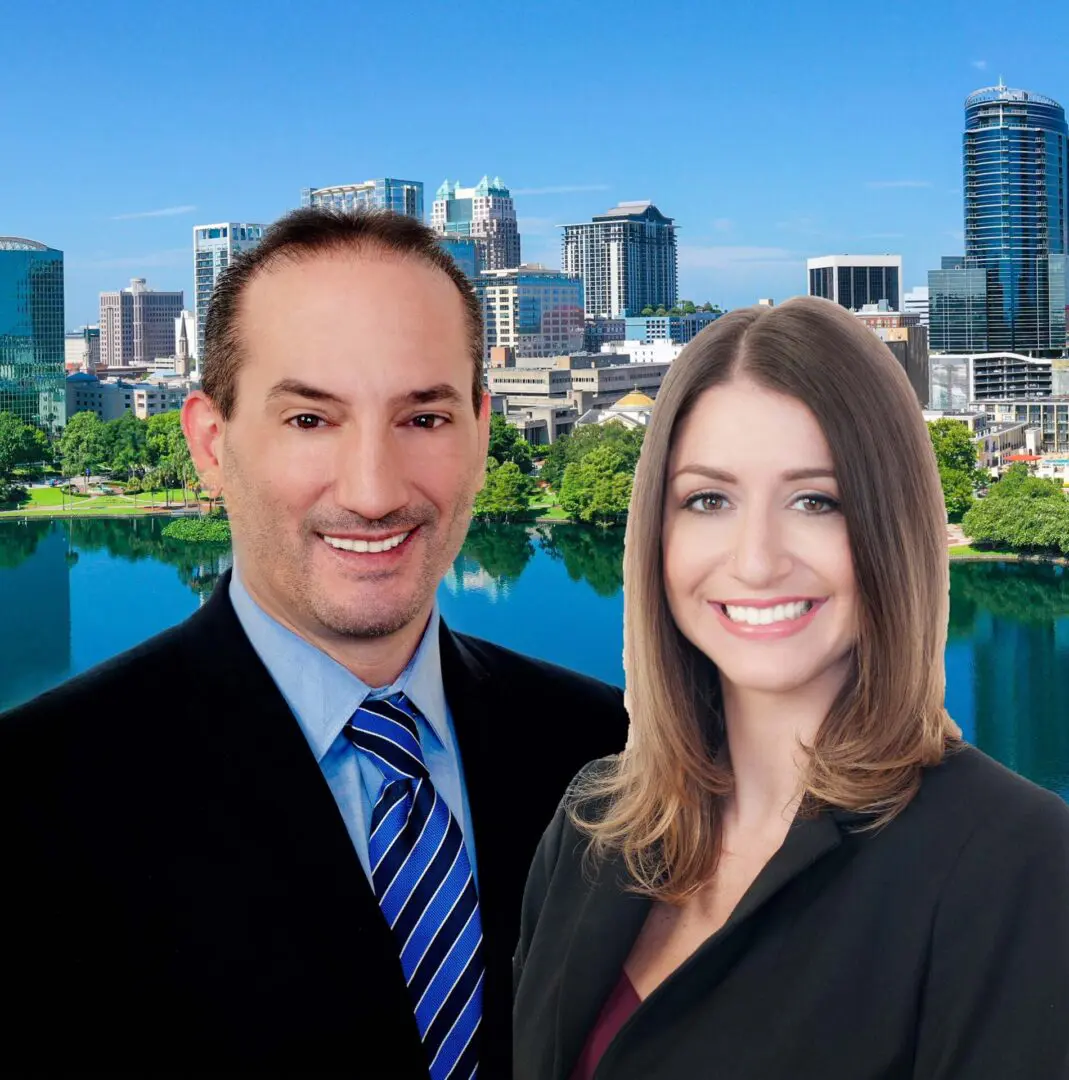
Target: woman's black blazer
<point>936,948</point>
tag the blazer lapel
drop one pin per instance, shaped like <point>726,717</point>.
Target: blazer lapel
<point>602,936</point>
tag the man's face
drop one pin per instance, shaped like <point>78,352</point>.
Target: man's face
<point>353,455</point>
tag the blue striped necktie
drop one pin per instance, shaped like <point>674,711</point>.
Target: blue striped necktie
<point>425,888</point>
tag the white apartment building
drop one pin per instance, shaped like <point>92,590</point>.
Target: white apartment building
<point>214,248</point>
<point>535,311</point>
<point>856,280</point>
<point>485,213</point>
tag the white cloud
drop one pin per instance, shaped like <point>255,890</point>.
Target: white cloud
<point>167,211</point>
<point>560,189</point>
<point>980,65</point>
<point>734,257</point>
<point>168,257</point>
<point>723,224</point>
<point>898,184</point>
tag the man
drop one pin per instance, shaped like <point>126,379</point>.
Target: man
<point>312,858</point>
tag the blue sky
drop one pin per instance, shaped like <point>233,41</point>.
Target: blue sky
<point>769,131</point>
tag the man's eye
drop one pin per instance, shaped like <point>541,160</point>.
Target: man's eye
<point>430,421</point>
<point>306,421</point>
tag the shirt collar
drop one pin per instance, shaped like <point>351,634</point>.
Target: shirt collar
<point>324,694</point>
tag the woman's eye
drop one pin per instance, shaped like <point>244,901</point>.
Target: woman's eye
<point>817,504</point>
<point>306,421</point>
<point>705,502</point>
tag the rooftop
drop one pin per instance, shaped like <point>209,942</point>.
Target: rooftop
<point>20,243</point>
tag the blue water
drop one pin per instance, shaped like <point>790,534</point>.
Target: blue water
<point>75,593</point>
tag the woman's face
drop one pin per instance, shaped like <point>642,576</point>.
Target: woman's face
<point>756,556</point>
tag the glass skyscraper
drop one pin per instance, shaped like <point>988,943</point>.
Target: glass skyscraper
<point>385,193</point>
<point>32,375</point>
<point>214,248</point>
<point>1016,173</point>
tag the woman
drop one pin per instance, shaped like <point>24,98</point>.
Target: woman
<point>795,869</point>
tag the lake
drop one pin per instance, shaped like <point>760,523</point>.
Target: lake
<point>73,593</point>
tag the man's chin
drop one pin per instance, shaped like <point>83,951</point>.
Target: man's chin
<point>366,617</point>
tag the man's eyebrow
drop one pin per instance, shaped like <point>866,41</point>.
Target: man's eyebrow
<point>296,388</point>
<point>817,472</point>
<point>442,392</point>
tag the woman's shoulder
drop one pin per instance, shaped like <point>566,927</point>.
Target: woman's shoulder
<point>969,792</point>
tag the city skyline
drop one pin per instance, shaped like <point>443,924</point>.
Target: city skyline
<point>765,148</point>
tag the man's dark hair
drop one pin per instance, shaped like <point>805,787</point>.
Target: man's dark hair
<point>315,231</point>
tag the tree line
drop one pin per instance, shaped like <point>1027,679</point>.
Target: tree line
<point>1019,512</point>
<point>590,471</point>
<point>143,455</point>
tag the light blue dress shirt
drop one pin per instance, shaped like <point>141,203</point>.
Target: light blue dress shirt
<point>324,695</point>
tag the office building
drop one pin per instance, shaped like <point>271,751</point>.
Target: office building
<point>627,258</point>
<point>909,344</point>
<point>465,253</point>
<point>485,213</point>
<point>599,332</point>
<point>659,351</point>
<point>31,333</point>
<point>81,349</point>
<point>679,329</point>
<point>137,324</point>
<point>1016,178</point>
<point>856,280</point>
<point>1049,418</point>
<point>957,307</point>
<point>214,248</point>
<point>915,302</point>
<point>532,310</point>
<point>110,398</point>
<point>386,193</point>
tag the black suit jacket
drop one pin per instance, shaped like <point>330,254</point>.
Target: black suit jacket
<point>180,891</point>
<point>935,949</point>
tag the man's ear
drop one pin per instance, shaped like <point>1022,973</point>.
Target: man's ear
<point>203,426</point>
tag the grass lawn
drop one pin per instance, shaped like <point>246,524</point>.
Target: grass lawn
<point>553,512</point>
<point>966,550</point>
<point>49,502</point>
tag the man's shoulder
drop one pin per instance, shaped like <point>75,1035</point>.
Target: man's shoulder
<point>121,687</point>
<point>541,678</point>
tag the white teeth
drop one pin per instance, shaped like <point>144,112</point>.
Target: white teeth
<point>366,547</point>
<point>768,615</point>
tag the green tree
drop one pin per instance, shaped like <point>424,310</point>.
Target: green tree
<point>957,492</point>
<point>1021,524</point>
<point>127,444</point>
<point>627,442</point>
<point>20,444</point>
<point>597,489</point>
<point>168,452</point>
<point>83,446</point>
<point>505,495</point>
<point>955,454</point>
<point>660,310</point>
<point>1017,482</point>
<point>507,444</point>
<point>647,311</point>
<point>688,307</point>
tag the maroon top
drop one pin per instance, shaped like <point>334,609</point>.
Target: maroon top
<point>623,1001</point>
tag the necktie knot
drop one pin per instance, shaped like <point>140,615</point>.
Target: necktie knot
<point>385,728</point>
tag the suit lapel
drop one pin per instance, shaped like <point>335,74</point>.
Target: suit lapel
<point>611,918</point>
<point>488,774</point>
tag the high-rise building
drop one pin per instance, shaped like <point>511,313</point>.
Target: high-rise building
<point>214,248</point>
<point>81,349</point>
<point>532,310</point>
<point>856,280</point>
<point>486,213</point>
<point>1016,173</point>
<point>957,307</point>
<point>627,258</point>
<point>466,254</point>
<point>385,193</point>
<point>137,324</point>
<point>915,302</point>
<point>31,333</point>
